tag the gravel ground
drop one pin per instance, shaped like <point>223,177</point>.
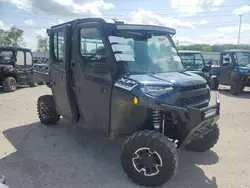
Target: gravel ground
<point>65,156</point>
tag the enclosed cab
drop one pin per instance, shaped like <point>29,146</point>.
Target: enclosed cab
<point>128,80</point>
<point>233,70</point>
<point>194,62</point>
<point>16,68</point>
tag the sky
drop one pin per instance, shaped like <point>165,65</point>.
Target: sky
<point>195,21</point>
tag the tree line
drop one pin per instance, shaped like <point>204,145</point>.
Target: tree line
<point>213,48</point>
<point>11,37</point>
<point>14,37</point>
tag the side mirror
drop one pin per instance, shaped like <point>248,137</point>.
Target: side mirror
<point>206,68</point>
<point>210,63</point>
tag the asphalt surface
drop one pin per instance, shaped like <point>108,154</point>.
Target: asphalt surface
<point>67,156</point>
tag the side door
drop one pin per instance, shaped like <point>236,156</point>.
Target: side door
<point>28,65</point>
<point>60,75</point>
<point>93,72</point>
<point>225,67</point>
<point>20,66</point>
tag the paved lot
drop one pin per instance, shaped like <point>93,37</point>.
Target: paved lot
<point>65,156</point>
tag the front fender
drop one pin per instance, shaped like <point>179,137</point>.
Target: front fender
<point>8,69</point>
<point>236,76</point>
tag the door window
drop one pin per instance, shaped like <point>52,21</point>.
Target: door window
<point>226,59</point>
<point>28,58</point>
<point>91,46</point>
<point>59,41</point>
<point>20,58</point>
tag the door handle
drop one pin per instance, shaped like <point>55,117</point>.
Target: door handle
<point>104,89</point>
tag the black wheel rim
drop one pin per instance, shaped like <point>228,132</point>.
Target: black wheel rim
<point>147,161</point>
<point>42,110</point>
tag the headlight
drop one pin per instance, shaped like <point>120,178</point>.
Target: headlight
<point>156,90</point>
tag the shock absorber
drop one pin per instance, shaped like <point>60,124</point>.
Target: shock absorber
<point>156,119</point>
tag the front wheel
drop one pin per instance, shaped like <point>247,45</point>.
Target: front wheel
<point>47,111</point>
<point>9,84</point>
<point>149,158</point>
<point>235,88</point>
<point>205,143</point>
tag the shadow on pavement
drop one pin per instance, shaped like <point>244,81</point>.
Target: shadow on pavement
<point>243,95</point>
<point>1,90</point>
<point>19,87</point>
<point>70,156</point>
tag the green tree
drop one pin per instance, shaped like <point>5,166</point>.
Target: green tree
<point>213,48</point>
<point>42,44</point>
<point>206,48</point>
<point>15,36</point>
<point>2,37</point>
<point>11,37</point>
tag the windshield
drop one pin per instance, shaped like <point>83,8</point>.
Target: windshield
<point>5,57</point>
<point>242,58</point>
<point>152,52</point>
<point>192,61</point>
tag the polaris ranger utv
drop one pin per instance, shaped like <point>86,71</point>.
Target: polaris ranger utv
<point>194,62</point>
<point>233,70</point>
<point>111,76</point>
<point>16,68</point>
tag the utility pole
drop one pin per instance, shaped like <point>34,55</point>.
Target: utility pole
<point>239,30</point>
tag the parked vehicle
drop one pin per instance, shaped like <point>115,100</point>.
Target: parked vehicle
<point>16,68</point>
<point>194,62</point>
<point>126,85</point>
<point>233,70</point>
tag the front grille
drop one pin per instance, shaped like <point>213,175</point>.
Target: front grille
<point>194,87</point>
<point>193,100</point>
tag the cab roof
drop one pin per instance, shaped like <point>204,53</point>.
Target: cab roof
<point>118,23</point>
<point>189,51</point>
<point>12,48</point>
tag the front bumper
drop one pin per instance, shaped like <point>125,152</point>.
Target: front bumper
<point>198,121</point>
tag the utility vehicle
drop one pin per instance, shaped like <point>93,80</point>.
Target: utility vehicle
<point>16,68</point>
<point>112,77</point>
<point>194,62</point>
<point>233,70</point>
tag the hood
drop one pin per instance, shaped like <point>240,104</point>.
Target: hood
<point>171,78</point>
<point>244,67</point>
<point>199,72</point>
